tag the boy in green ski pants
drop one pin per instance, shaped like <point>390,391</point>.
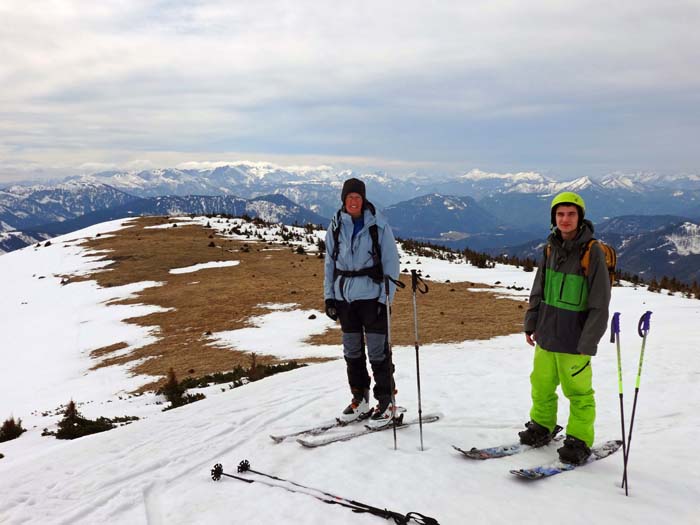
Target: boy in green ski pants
<point>566,318</point>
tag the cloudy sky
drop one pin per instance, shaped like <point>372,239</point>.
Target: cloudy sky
<point>562,88</point>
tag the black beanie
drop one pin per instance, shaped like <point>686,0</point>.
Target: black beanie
<point>353,186</point>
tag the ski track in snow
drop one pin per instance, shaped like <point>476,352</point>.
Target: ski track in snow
<point>157,470</point>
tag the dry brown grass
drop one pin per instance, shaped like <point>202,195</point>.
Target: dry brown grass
<point>219,299</point>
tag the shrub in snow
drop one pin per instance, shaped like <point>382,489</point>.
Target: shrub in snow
<point>174,392</point>
<point>74,425</point>
<point>11,429</point>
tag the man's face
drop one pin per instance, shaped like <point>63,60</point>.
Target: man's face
<point>353,204</point>
<point>566,217</point>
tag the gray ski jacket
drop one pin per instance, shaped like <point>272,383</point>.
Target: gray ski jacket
<point>356,254</point>
<point>568,310</point>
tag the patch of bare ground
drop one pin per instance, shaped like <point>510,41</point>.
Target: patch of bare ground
<point>219,299</point>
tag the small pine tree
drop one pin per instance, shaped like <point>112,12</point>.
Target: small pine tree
<point>173,391</point>
<point>74,425</point>
<point>11,429</point>
<point>254,373</point>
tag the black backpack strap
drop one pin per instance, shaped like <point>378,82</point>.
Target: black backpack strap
<point>336,236</point>
<point>376,248</point>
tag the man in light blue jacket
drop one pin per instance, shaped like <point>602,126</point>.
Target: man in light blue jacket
<point>360,251</point>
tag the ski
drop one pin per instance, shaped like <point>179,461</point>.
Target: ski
<point>557,467</point>
<point>323,441</point>
<point>505,450</point>
<point>313,431</point>
<point>320,429</point>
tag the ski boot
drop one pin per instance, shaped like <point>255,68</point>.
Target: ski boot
<point>383,415</point>
<point>536,435</point>
<point>574,451</point>
<point>359,408</point>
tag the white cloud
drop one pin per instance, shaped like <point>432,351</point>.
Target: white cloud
<point>409,81</point>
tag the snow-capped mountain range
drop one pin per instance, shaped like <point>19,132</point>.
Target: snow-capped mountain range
<point>270,208</point>
<point>25,207</point>
<point>478,209</point>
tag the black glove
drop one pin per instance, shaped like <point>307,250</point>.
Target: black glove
<point>331,310</point>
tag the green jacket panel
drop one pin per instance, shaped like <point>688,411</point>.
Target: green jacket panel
<point>566,291</point>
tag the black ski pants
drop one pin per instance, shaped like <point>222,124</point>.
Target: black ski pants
<point>365,321</point>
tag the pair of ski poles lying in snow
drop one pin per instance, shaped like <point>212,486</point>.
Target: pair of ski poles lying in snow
<point>642,330</point>
<point>291,486</point>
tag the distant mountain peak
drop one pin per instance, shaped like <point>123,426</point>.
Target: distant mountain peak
<point>620,181</point>
<point>580,184</point>
<point>522,176</point>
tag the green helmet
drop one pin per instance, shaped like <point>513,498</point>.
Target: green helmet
<point>568,197</point>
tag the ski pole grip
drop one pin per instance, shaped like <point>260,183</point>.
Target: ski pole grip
<point>415,279</point>
<point>615,326</point>
<point>643,326</point>
<point>398,282</point>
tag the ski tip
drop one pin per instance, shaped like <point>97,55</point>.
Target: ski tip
<point>474,453</point>
<point>277,439</point>
<point>523,474</point>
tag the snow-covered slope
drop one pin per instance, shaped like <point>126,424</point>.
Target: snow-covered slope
<point>157,470</point>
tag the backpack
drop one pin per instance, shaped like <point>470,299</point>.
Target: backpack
<point>374,272</point>
<point>608,251</point>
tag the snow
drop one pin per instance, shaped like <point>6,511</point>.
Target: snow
<point>48,330</point>
<point>156,470</point>
<point>265,337</point>
<point>204,266</point>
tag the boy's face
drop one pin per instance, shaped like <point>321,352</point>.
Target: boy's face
<point>566,216</point>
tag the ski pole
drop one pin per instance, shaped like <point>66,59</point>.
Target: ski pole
<point>326,497</point>
<point>424,289</point>
<point>399,284</point>
<point>615,337</point>
<point>642,330</point>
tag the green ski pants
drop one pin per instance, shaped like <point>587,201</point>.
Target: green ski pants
<point>574,373</point>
